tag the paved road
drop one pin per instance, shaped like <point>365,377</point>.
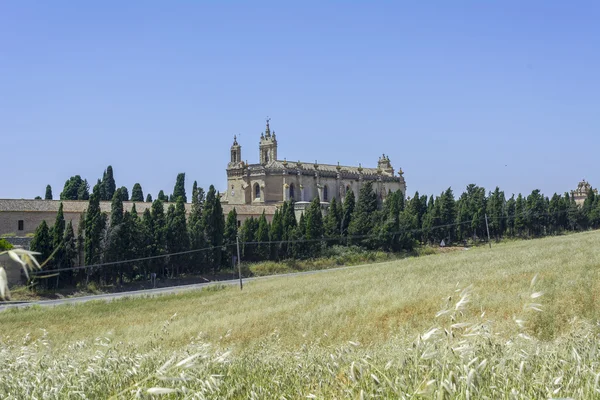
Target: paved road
<point>158,291</point>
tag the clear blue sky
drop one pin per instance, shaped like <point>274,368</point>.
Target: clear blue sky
<point>500,93</point>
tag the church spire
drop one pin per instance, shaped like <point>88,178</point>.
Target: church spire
<point>268,129</point>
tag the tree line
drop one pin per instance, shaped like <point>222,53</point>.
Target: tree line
<point>165,242</point>
<point>76,188</point>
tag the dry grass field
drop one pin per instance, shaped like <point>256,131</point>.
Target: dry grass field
<point>465,324</point>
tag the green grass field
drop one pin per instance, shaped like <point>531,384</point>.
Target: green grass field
<point>365,332</point>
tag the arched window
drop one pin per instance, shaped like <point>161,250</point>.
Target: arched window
<point>256,191</point>
<point>291,191</point>
<point>325,193</point>
<point>266,156</point>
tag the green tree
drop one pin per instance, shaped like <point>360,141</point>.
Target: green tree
<point>149,198</point>
<point>390,223</point>
<point>159,234</point>
<point>196,231</point>
<point>447,214</point>
<point>70,253</point>
<point>247,237</point>
<point>124,193</point>
<point>314,228</point>
<point>520,216</point>
<point>363,220</point>
<point>510,216</point>
<point>108,184</point>
<point>83,192</point>
<point>333,220</point>
<point>276,234</point>
<point>179,189</point>
<point>48,193</point>
<point>162,196</point>
<point>136,193</point>
<point>495,213</point>
<point>177,236</point>
<point>71,188</point>
<point>214,226</point>
<point>230,235</point>
<point>536,213</point>
<point>116,240</point>
<point>288,219</point>
<point>347,212</point>
<point>42,241</point>
<point>57,234</point>
<point>262,236</point>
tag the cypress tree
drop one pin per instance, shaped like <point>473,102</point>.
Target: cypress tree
<point>42,241</point>
<point>124,193</point>
<point>214,226</point>
<point>348,211</point>
<point>230,234</point>
<point>248,235</point>
<point>58,233</point>
<point>101,189</point>
<point>298,235</point>
<point>288,220</point>
<point>116,235</point>
<point>262,236</point>
<point>83,192</point>
<point>159,235</point>
<point>108,183</point>
<point>495,213</point>
<point>162,197</point>
<point>194,191</point>
<point>332,221</point>
<point>276,234</point>
<point>179,189</point>
<point>536,213</point>
<point>170,237</point>
<point>390,224</point>
<point>149,198</point>
<point>364,216</point>
<point>196,231</point>
<point>314,227</point>
<point>177,236</point>
<point>520,217</point>
<point>447,214</point>
<point>116,211</point>
<point>137,194</point>
<point>510,216</point>
<point>70,253</point>
<point>146,245</point>
<point>48,192</point>
<point>94,228</point>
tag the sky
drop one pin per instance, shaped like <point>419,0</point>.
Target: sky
<point>496,93</point>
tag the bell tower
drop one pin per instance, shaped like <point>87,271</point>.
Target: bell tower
<point>268,145</point>
<point>236,152</point>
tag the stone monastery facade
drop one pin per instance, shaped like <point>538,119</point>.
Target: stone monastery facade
<point>273,180</point>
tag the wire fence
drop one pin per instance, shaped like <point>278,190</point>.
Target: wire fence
<point>342,239</point>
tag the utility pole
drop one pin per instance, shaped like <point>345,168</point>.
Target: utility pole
<point>488,231</point>
<point>237,241</point>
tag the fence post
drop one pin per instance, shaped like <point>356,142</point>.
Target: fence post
<point>237,241</point>
<point>488,231</point>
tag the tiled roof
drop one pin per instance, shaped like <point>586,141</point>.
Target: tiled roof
<point>309,166</point>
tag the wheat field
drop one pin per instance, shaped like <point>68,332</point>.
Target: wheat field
<point>518,320</point>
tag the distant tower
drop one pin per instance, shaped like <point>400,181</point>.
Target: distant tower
<point>236,153</point>
<point>268,145</point>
